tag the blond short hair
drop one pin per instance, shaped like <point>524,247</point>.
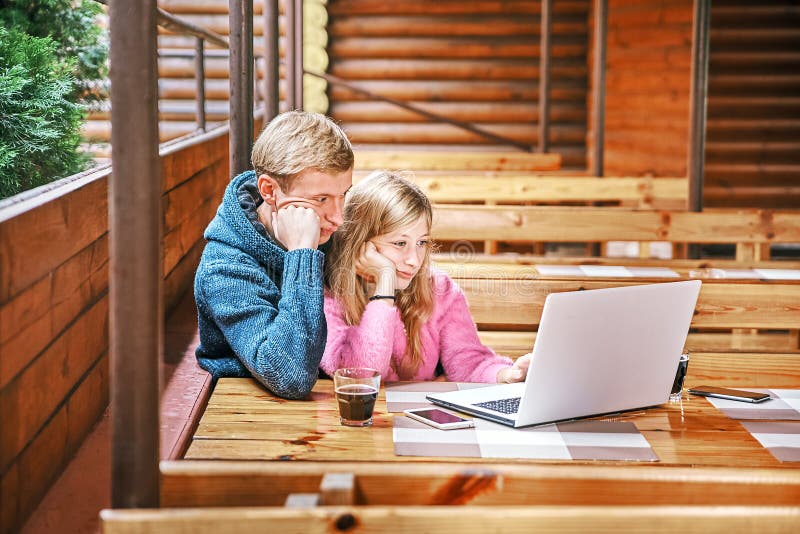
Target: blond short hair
<point>298,140</point>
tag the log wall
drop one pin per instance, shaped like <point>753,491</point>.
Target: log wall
<point>648,64</point>
<point>753,144</point>
<point>54,309</point>
<point>474,61</point>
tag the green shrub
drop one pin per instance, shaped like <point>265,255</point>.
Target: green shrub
<point>72,25</point>
<point>39,125</point>
<point>53,59</point>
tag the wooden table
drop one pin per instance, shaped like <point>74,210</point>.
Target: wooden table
<point>245,422</point>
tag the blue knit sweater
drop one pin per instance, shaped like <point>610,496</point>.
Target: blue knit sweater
<point>260,308</point>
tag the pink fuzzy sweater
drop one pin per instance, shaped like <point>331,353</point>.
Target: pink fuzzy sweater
<point>449,335</point>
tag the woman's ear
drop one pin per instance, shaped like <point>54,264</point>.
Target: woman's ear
<point>267,187</point>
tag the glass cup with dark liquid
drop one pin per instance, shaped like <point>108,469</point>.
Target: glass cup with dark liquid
<point>356,390</point>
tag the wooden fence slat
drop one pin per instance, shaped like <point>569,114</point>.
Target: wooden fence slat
<point>33,396</point>
<point>37,241</point>
<point>32,319</point>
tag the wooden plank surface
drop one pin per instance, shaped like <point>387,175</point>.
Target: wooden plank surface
<point>721,304</point>
<point>252,483</point>
<point>513,265</point>
<point>180,161</point>
<point>433,160</point>
<point>37,241</point>
<point>413,519</point>
<point>244,422</point>
<point>666,193</point>
<point>579,224</point>
<point>31,399</point>
<point>30,321</point>
<point>514,343</point>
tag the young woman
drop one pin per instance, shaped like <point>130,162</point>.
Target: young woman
<point>386,308</point>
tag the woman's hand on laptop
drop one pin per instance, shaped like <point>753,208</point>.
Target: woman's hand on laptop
<point>517,372</point>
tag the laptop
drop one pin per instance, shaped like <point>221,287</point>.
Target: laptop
<point>597,352</point>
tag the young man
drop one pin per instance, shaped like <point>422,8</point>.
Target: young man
<point>259,287</point>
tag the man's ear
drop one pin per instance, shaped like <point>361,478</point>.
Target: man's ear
<point>267,187</point>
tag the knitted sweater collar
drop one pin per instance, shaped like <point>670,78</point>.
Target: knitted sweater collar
<point>237,223</point>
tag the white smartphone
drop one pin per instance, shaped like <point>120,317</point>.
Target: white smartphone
<point>730,394</point>
<point>438,418</point>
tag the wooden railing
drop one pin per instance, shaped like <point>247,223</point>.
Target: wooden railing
<point>54,307</point>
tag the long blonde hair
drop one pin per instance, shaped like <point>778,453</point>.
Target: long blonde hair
<point>380,204</point>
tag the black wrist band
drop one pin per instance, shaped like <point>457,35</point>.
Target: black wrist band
<point>378,297</point>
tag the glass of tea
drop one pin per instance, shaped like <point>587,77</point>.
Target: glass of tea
<point>356,390</point>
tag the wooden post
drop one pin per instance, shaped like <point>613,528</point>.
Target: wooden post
<point>241,80</point>
<point>298,53</point>
<point>599,82</point>
<point>337,489</point>
<point>289,55</point>
<point>134,213</point>
<point>697,109</point>
<point>544,75</point>
<point>697,103</point>
<point>272,73</point>
<point>200,81</point>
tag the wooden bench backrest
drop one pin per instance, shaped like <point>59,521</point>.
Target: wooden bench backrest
<point>721,304</point>
<point>580,224</point>
<point>226,483</point>
<point>452,160</point>
<point>516,188</point>
<point>522,265</point>
<point>690,519</point>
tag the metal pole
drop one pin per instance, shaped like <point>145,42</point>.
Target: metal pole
<point>599,81</point>
<point>256,95</point>
<point>698,102</point>
<point>298,53</point>
<point>544,75</point>
<point>200,80</point>
<point>241,84</point>
<point>134,215</point>
<point>272,73</point>
<point>289,53</point>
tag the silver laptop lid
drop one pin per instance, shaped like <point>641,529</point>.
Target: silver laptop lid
<point>606,350</point>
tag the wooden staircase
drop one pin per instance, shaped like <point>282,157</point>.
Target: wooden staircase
<point>753,136</point>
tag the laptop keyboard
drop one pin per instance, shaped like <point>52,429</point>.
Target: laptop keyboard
<point>506,406</point>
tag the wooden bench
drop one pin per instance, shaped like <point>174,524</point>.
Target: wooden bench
<point>513,265</point>
<point>229,496</point>
<point>507,310</point>
<point>232,483</point>
<point>416,160</point>
<point>519,189</point>
<point>699,519</point>
<point>751,230</point>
